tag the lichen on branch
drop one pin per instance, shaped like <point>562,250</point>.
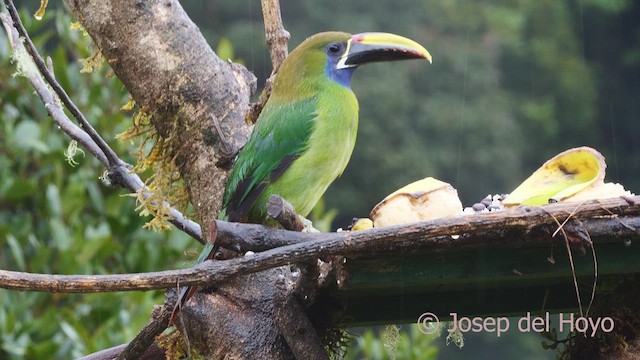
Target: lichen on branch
<point>155,155</point>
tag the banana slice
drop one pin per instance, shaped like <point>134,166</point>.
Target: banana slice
<point>425,199</point>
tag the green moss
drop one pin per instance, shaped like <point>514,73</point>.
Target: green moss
<point>175,347</point>
<point>620,302</point>
<point>155,155</point>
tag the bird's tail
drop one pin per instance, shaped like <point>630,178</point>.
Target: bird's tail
<point>186,292</point>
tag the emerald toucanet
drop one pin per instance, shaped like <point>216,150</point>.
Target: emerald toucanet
<point>303,139</point>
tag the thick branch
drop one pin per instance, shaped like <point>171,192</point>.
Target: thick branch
<point>243,237</point>
<point>196,99</point>
<point>606,218</point>
<point>294,325</point>
<point>118,169</point>
<point>292,320</point>
<point>284,213</point>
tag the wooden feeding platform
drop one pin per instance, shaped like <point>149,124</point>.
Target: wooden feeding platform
<point>506,270</point>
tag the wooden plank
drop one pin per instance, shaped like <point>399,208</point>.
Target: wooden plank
<point>480,282</point>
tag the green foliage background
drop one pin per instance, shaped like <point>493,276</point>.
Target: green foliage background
<point>55,218</point>
<point>512,84</point>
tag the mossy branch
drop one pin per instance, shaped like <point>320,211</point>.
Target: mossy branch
<point>525,225</point>
<point>53,96</point>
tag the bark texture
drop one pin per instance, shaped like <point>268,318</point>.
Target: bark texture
<point>198,102</point>
<point>248,330</point>
<point>170,70</point>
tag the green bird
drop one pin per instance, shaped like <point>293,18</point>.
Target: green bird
<point>304,136</point>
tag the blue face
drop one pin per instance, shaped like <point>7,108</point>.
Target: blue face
<point>342,76</point>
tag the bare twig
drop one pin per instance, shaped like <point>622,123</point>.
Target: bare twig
<point>153,352</point>
<point>274,32</point>
<point>106,354</point>
<point>277,38</point>
<point>571,263</point>
<point>156,325</point>
<point>49,100</point>
<point>111,156</point>
<point>119,170</point>
<point>425,236</point>
<point>595,274</point>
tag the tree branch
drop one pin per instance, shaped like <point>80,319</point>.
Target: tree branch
<point>110,155</point>
<point>274,32</point>
<point>197,103</point>
<point>294,325</point>
<point>601,218</point>
<point>291,318</point>
<point>156,325</point>
<point>243,237</point>
<point>191,95</point>
<point>277,38</point>
<point>284,213</point>
<point>119,170</point>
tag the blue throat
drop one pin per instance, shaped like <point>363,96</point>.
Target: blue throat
<point>341,76</point>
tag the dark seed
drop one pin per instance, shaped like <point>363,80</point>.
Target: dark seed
<point>478,207</point>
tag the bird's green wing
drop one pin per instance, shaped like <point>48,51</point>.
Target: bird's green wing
<point>268,154</point>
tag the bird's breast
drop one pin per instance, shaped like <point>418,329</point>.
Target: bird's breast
<point>328,151</point>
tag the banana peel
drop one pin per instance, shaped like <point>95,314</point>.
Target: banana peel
<point>573,175</point>
<point>425,199</point>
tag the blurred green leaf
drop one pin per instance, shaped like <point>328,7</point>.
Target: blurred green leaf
<point>27,136</point>
<point>225,49</point>
<point>53,201</point>
<point>16,252</point>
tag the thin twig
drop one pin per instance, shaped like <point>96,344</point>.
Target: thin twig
<point>119,170</point>
<point>106,354</point>
<point>274,32</point>
<point>425,236</point>
<point>571,263</point>
<point>593,252</point>
<point>595,274</point>
<point>49,100</point>
<point>276,38</point>
<point>568,217</point>
<point>111,156</point>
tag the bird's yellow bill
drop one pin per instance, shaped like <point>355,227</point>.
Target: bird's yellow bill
<point>376,46</point>
<point>392,41</point>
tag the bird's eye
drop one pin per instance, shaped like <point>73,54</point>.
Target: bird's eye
<point>334,48</point>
